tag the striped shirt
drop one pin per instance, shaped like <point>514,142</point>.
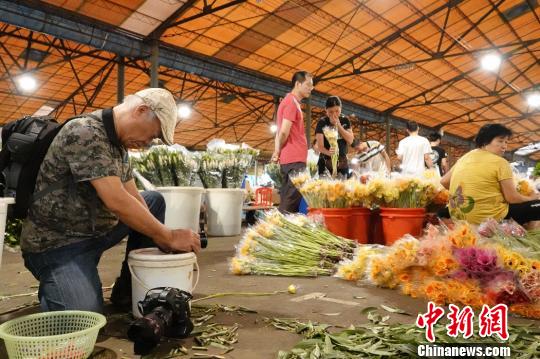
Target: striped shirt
<point>374,148</point>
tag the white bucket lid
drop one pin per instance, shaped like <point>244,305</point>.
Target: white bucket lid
<point>180,189</point>
<point>225,190</point>
<point>154,254</point>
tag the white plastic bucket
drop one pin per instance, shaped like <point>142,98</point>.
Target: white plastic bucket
<point>224,211</point>
<point>3,213</point>
<point>152,268</point>
<point>183,207</point>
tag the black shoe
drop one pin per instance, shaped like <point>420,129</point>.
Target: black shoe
<point>121,294</point>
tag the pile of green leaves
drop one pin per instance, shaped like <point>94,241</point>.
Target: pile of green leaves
<point>12,235</point>
<point>379,339</point>
<point>536,171</point>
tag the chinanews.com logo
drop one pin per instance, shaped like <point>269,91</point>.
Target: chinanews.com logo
<point>491,321</point>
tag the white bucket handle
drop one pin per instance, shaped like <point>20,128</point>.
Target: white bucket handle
<point>143,285</point>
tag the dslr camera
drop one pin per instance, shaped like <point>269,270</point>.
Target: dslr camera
<point>165,312</point>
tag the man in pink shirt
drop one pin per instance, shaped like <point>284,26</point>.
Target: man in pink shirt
<point>290,142</point>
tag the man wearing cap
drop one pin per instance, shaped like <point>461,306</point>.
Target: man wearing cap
<point>91,203</point>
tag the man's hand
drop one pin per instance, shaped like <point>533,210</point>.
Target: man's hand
<point>181,240</point>
<point>275,156</point>
<point>331,151</point>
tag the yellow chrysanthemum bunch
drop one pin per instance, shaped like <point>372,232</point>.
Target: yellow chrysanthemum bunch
<point>525,187</point>
<point>355,269</point>
<point>463,236</point>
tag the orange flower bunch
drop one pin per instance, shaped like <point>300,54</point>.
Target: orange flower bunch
<point>355,269</point>
<point>525,187</point>
<point>380,273</point>
<point>443,264</point>
<point>442,197</point>
<point>526,310</point>
<point>453,291</point>
<point>463,236</point>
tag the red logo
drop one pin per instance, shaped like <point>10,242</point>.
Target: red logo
<point>490,321</point>
<point>429,319</point>
<point>494,321</point>
<point>460,321</point>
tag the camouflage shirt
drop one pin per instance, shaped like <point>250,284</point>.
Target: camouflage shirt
<point>80,152</point>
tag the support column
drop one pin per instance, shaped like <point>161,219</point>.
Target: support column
<point>308,121</point>
<point>154,64</point>
<point>387,120</point>
<point>120,80</point>
<point>256,173</point>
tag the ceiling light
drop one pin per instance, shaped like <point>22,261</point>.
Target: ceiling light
<point>184,111</point>
<point>27,83</point>
<point>491,62</point>
<point>534,100</point>
<point>273,128</point>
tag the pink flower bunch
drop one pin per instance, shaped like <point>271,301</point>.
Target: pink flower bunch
<point>512,228</point>
<point>488,228</point>
<point>505,288</point>
<point>477,263</point>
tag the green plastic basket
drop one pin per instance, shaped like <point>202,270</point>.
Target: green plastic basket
<point>53,335</point>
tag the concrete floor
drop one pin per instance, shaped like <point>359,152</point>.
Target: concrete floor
<point>256,339</point>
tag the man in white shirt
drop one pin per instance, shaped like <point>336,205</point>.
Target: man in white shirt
<point>414,152</point>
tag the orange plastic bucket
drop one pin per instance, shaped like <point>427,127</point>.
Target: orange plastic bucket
<point>397,222</point>
<point>360,224</point>
<point>336,220</point>
<point>375,233</point>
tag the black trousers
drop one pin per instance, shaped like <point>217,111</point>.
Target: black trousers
<point>290,196</point>
<point>520,212</point>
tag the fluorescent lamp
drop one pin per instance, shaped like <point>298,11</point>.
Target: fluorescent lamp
<point>27,83</point>
<point>533,100</point>
<point>184,111</point>
<point>491,62</point>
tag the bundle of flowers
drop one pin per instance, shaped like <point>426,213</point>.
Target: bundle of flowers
<point>291,245</point>
<point>225,165</point>
<point>525,186</point>
<point>510,234</point>
<point>274,171</point>
<point>166,165</point>
<point>237,164</point>
<point>328,193</point>
<point>453,266</point>
<point>331,134</point>
<point>354,269</point>
<point>211,166</point>
<point>405,192</point>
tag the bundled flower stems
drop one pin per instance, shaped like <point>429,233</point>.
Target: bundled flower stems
<point>166,165</point>
<point>457,266</point>
<point>292,245</point>
<point>225,166</point>
<point>274,171</point>
<point>331,134</point>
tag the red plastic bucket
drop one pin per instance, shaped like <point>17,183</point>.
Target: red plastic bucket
<point>397,222</point>
<point>336,220</point>
<point>360,224</point>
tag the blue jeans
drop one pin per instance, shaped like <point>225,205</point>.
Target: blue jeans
<point>68,276</point>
